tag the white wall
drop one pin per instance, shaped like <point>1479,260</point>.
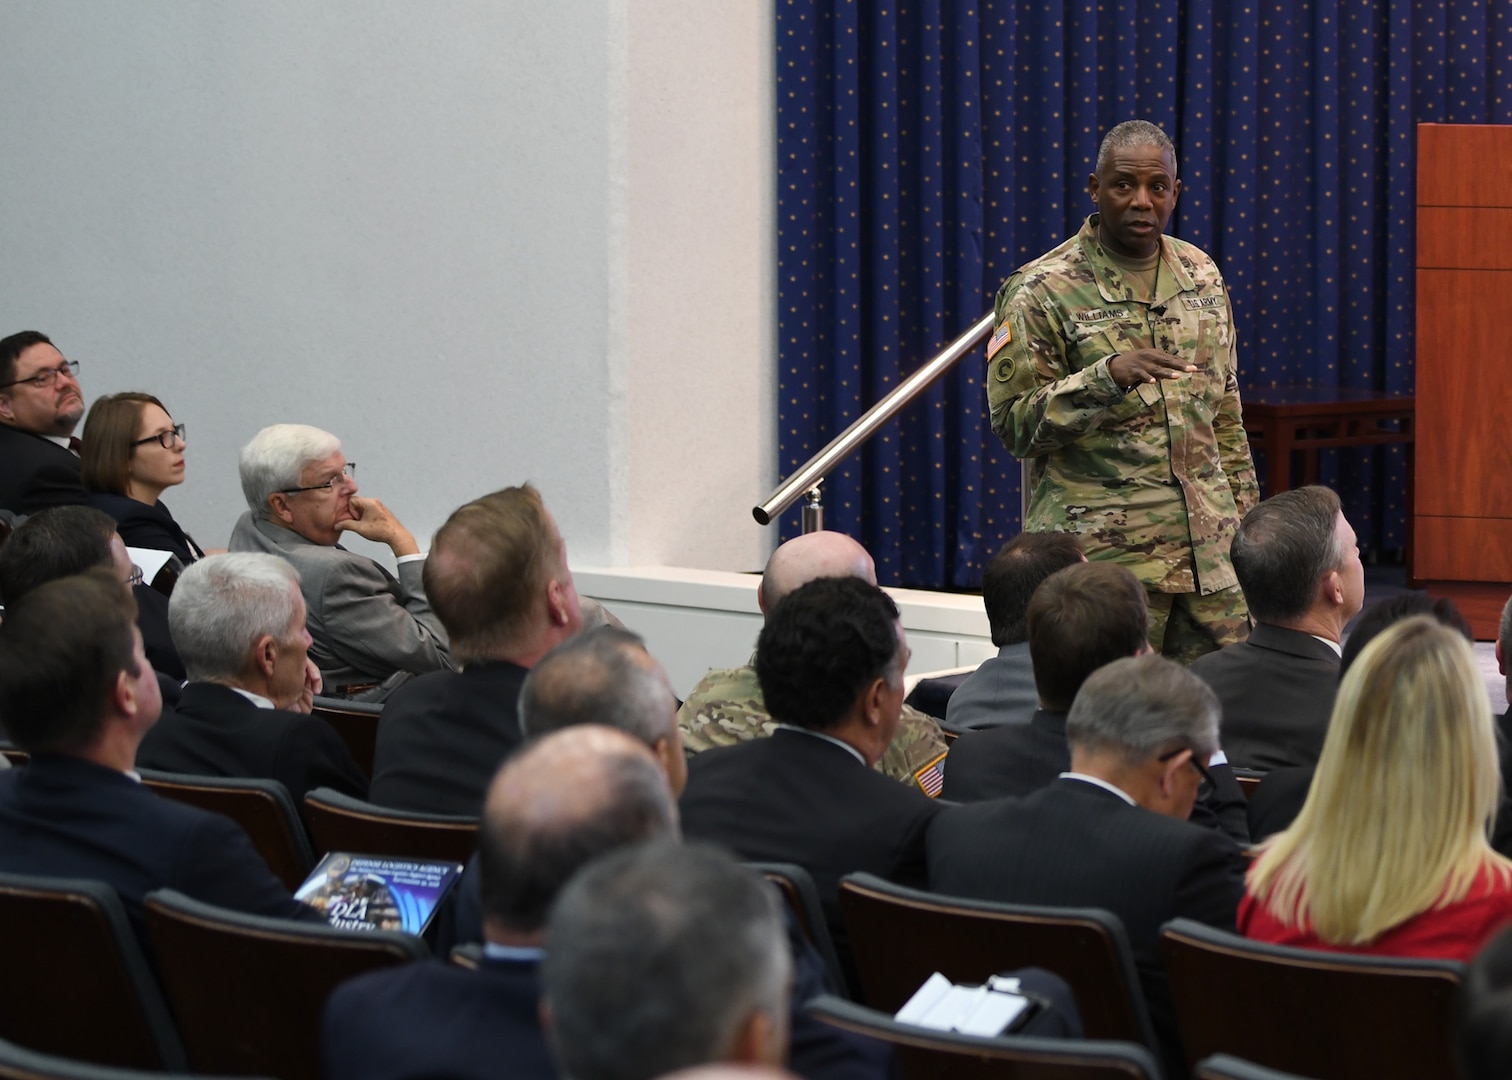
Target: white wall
<point>480,241</point>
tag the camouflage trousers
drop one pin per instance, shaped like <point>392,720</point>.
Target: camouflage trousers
<point>1187,625</point>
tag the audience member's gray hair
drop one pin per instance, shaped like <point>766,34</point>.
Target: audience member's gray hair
<point>1283,548</point>
<point>602,676</point>
<point>223,604</point>
<point>1142,706</point>
<point>656,956</point>
<point>1129,134</point>
<point>275,458</point>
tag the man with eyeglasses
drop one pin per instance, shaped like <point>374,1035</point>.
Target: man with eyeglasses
<point>372,631</point>
<point>40,405</point>
<point>1111,832</point>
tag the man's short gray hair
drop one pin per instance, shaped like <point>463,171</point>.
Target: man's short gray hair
<point>1141,707</point>
<point>1283,548</point>
<point>223,604</point>
<point>602,676</point>
<point>276,457</point>
<point>1132,133</point>
<point>656,955</point>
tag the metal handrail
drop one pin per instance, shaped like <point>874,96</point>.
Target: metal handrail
<point>806,479</point>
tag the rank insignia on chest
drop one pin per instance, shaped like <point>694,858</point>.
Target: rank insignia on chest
<point>1000,337</point>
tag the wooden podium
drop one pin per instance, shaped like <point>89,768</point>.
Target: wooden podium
<point>1463,508</point>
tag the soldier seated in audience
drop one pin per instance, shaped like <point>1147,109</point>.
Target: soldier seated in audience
<point>1080,618</point>
<point>76,693</point>
<point>239,621</point>
<point>497,576</point>
<point>830,661</point>
<point>1001,690</point>
<point>69,539</point>
<point>1298,565</point>
<point>661,957</point>
<point>372,631</point>
<point>1112,832</point>
<point>727,707</point>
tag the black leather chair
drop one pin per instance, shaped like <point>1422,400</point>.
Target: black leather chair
<point>1329,1016</point>
<point>802,898</point>
<point>357,724</point>
<point>263,808</point>
<point>1226,1067</point>
<point>19,1063</point>
<point>249,991</point>
<point>938,1055</point>
<point>901,936</point>
<point>341,823</point>
<point>73,979</point>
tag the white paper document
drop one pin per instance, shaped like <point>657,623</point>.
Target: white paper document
<point>971,1010</point>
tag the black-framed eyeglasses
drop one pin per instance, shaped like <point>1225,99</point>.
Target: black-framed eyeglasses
<point>345,474</point>
<point>47,377</point>
<point>164,438</point>
<point>136,577</point>
<point>1205,785</point>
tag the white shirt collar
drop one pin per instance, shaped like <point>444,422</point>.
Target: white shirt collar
<point>1098,782</point>
<point>1334,645</point>
<point>494,951</point>
<point>256,699</point>
<point>61,440</point>
<point>827,738</point>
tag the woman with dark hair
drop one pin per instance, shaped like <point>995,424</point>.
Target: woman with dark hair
<point>132,453</point>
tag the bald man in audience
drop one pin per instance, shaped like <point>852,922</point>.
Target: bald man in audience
<point>77,693</point>
<point>573,795</point>
<point>660,957</point>
<point>727,707</point>
<point>498,579</point>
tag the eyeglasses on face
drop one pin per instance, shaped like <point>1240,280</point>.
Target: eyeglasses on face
<point>47,377</point>
<point>1206,783</point>
<point>136,577</point>
<point>164,438</point>
<point>345,474</point>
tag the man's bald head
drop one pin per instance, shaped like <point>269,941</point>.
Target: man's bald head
<point>558,803</point>
<point>809,557</point>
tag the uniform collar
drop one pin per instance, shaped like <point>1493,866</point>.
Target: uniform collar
<point>1171,281</point>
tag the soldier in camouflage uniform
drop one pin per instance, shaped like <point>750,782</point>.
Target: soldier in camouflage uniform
<point>1112,368</point>
<point>726,707</point>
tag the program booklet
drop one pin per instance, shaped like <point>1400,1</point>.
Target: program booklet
<point>374,892</point>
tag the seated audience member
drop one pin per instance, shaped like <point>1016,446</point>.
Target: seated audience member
<point>1298,565</point>
<point>77,694</point>
<point>132,453</point>
<point>1389,855</point>
<point>830,660</point>
<point>1278,800</point>
<point>727,706</point>
<point>551,809</point>
<point>69,539</point>
<point>1080,618</point>
<point>1483,1013</point>
<point>662,956</point>
<point>606,676</point>
<point>40,405</point>
<point>1001,690</point>
<point>1110,833</point>
<point>239,620</point>
<point>498,579</point>
<point>371,630</point>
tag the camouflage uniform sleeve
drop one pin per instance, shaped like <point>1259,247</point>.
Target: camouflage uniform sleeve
<point>1228,432</point>
<point>1038,399</point>
<point>724,709</point>
<point>916,756</point>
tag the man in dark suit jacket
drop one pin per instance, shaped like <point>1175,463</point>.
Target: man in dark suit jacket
<point>239,620</point>
<point>1112,832</point>
<point>77,693</point>
<point>830,660</point>
<point>1298,565</point>
<point>498,579</point>
<point>1001,690</point>
<point>40,405</point>
<point>1080,618</point>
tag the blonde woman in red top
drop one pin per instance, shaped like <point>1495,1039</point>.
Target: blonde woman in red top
<point>1389,855</point>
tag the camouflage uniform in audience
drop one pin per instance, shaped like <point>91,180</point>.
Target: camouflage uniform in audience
<point>727,708</point>
<point>1155,478</point>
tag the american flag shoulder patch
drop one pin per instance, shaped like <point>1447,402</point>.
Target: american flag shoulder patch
<point>1000,337</point>
<point>931,777</point>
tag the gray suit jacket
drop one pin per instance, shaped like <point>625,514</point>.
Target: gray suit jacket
<point>1000,691</point>
<point>1277,692</point>
<point>367,624</point>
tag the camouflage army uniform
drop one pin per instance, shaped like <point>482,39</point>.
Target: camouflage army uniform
<point>727,708</point>
<point>1155,478</point>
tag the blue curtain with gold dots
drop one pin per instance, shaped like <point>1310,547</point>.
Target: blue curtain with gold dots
<point>927,149</point>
